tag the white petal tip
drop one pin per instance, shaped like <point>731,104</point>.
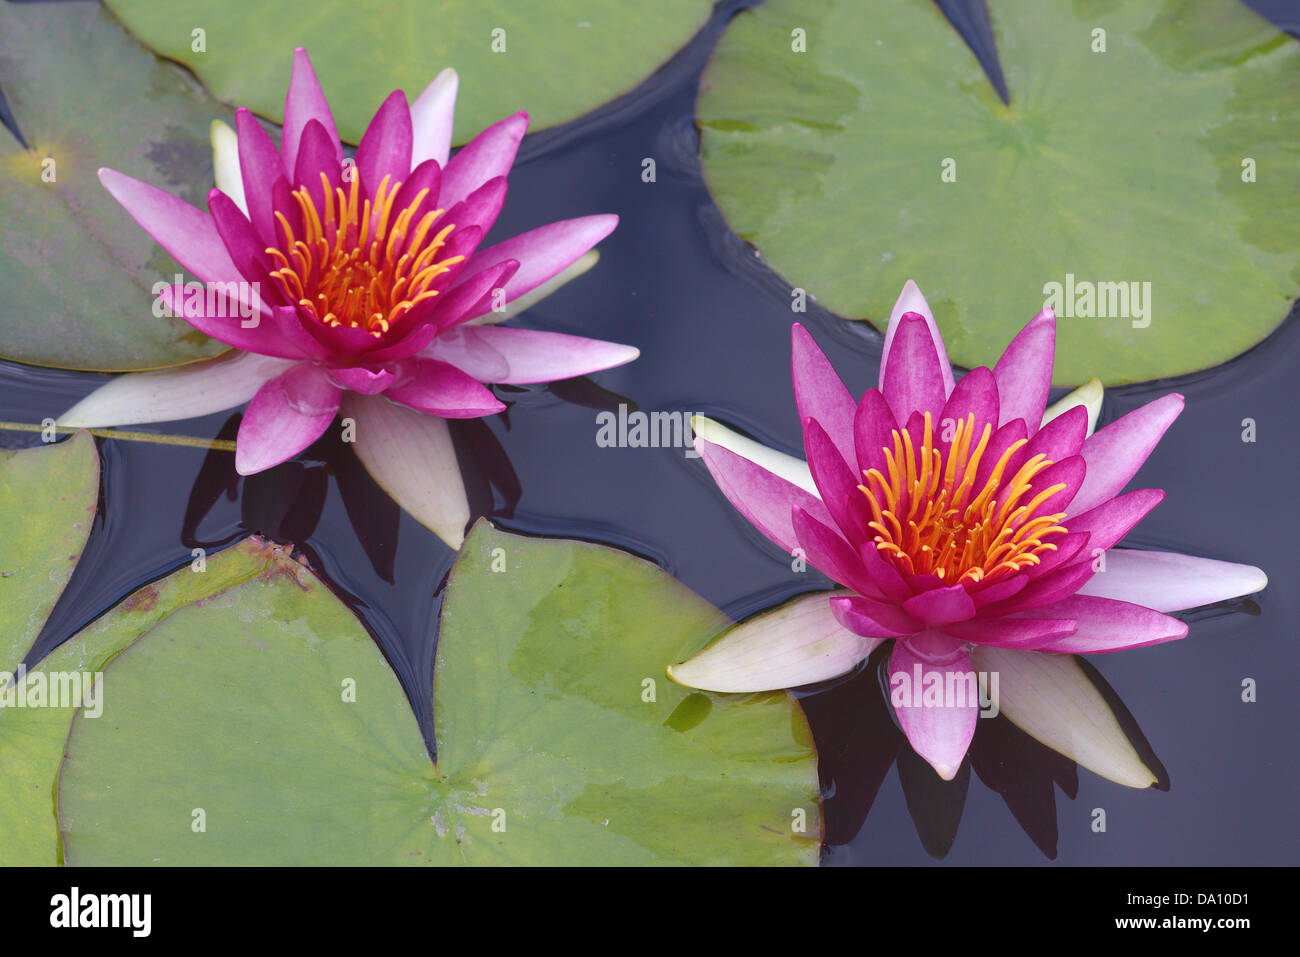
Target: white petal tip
<point>945,771</point>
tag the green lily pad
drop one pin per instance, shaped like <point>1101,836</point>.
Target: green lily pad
<point>558,62</point>
<point>77,272</point>
<point>275,732</point>
<point>1123,166</point>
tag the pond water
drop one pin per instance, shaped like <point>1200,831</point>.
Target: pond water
<point>713,326</point>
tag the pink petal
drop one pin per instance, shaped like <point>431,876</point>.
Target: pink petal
<point>187,233</point>
<point>544,251</point>
<point>261,166</point>
<point>385,147</point>
<point>1109,522</point>
<point>480,208</point>
<point>520,356</point>
<point>364,381</point>
<point>1024,372</point>
<point>873,619</point>
<point>1068,472</point>
<point>913,381</point>
<point>976,394</point>
<point>316,156</point>
<point>1167,581</point>
<point>288,414</point>
<point>472,297</point>
<point>819,394</point>
<point>1115,453</point>
<point>432,114</point>
<point>999,442</point>
<point>941,606</point>
<point>1051,587</point>
<point>439,388</point>
<point>485,157</point>
<point>763,498</point>
<point>836,483</point>
<point>873,431</point>
<point>1107,625</point>
<point>939,733</point>
<point>1062,436</point>
<point>912,301</point>
<point>828,552</point>
<point>794,644</point>
<point>273,333</point>
<point>1015,632</point>
<point>303,103</point>
<point>886,577</point>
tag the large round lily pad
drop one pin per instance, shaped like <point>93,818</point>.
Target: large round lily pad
<point>77,274</point>
<point>882,153</point>
<point>275,733</point>
<point>557,60</point>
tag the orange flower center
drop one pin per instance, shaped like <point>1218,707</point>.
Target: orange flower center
<point>929,518</point>
<point>363,265</point>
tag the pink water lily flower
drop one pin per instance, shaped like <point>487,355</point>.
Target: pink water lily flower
<point>357,286</point>
<point>970,526</point>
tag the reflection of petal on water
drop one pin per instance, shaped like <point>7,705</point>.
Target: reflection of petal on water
<point>936,805</point>
<point>1023,772</point>
<point>217,477</point>
<point>857,742</point>
<point>485,466</point>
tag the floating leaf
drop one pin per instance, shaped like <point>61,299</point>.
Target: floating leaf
<point>557,63</point>
<point>1168,159</point>
<point>277,734</point>
<point>77,273</point>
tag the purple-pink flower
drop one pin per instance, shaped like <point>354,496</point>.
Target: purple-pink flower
<point>363,283</point>
<point>961,525</point>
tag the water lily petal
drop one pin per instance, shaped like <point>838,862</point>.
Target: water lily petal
<point>1088,395</point>
<point>819,394</point>
<point>526,355</point>
<point>184,392</point>
<point>1015,632</point>
<point>975,394</point>
<point>887,578</point>
<point>1116,452</point>
<point>913,381</point>
<point>1168,581</point>
<point>1049,697</point>
<point>432,115</point>
<point>911,300</point>
<point>365,381</point>
<point>187,233</point>
<point>316,156</point>
<point>412,457</point>
<point>537,294</point>
<point>828,552</point>
<point>1053,586</point>
<point>789,467</point>
<point>439,388</point>
<point>303,103</point>
<point>941,606</point>
<point>385,147</point>
<point>1109,522</point>
<point>1001,440</point>
<point>794,644</point>
<point>480,208</point>
<point>1108,625</point>
<point>873,619</point>
<point>485,157</point>
<point>941,732</point>
<point>1068,472</point>
<point>837,485</point>
<point>288,414</point>
<point>543,252</point>
<point>225,163</point>
<point>1024,371</point>
<point>761,496</point>
<point>269,332</point>
<point>1062,437</point>
<point>261,166</point>
<point>873,429</point>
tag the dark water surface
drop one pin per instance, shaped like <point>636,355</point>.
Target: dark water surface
<point>713,326</point>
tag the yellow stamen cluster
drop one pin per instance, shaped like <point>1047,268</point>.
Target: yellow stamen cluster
<point>360,265</point>
<point>930,519</point>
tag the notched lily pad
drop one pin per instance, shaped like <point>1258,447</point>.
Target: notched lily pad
<point>77,273</point>
<point>1148,144</point>
<point>277,734</point>
<point>558,61</point>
